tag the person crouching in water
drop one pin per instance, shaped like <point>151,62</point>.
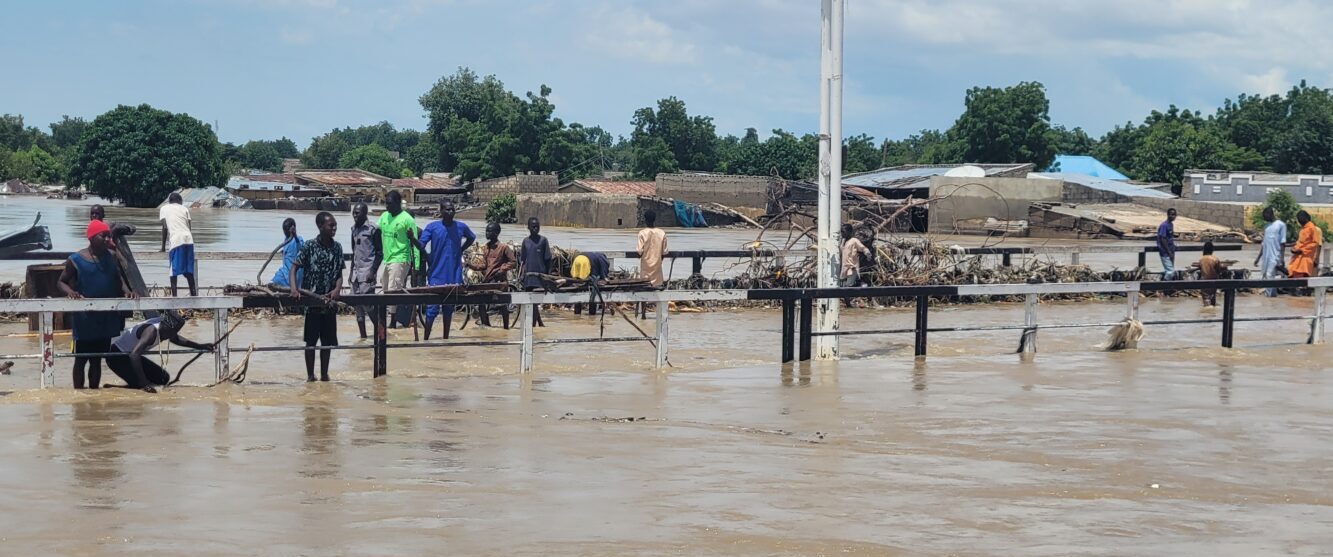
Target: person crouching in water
<point>137,341</point>
<point>322,261</point>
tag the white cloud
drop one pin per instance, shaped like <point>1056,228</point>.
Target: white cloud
<point>1272,82</point>
<point>627,33</point>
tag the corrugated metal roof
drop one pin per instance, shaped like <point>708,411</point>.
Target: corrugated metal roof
<point>914,176</point>
<point>343,177</point>
<point>278,182</point>
<point>426,183</point>
<point>617,187</point>
<point>1113,186</point>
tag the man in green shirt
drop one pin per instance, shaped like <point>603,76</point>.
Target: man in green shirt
<point>398,235</point>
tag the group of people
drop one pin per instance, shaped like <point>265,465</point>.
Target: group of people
<point>385,256</point>
<point>1271,260</point>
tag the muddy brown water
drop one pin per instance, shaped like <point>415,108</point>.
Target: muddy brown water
<point>1178,448</point>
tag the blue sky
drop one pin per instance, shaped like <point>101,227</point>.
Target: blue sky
<point>268,68</point>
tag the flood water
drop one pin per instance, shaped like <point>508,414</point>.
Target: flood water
<point>261,231</point>
<point>1177,448</point>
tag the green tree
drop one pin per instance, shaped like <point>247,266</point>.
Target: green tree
<point>35,165</point>
<point>1010,124</point>
<point>1118,146</point>
<point>372,158</point>
<point>783,154</point>
<point>481,130</point>
<point>928,145</point>
<point>1073,142</point>
<point>286,148</point>
<point>139,154</point>
<point>66,133</point>
<point>259,155</point>
<point>859,154</point>
<point>669,139</point>
<point>502,209</point>
<point>1304,142</point>
<point>325,151</point>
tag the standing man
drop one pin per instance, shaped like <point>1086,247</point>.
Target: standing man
<point>93,272</point>
<point>536,254</point>
<point>497,259</point>
<point>291,247</point>
<point>852,250</point>
<point>322,260</point>
<point>652,248</point>
<point>178,238</point>
<point>1305,254</point>
<point>1270,251</point>
<point>398,236</point>
<point>1166,244</point>
<point>447,239</point>
<point>367,254</point>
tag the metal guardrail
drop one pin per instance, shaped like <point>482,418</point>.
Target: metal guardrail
<point>797,313</point>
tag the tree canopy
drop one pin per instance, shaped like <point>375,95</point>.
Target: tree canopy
<point>139,154</point>
<point>259,155</point>
<point>668,139</point>
<point>374,158</point>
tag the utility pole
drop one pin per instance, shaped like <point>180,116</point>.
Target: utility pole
<point>830,174</point>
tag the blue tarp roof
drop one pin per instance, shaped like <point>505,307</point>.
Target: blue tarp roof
<point>1084,164</point>
<point>1103,184</point>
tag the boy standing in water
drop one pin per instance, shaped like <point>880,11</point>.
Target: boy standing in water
<point>536,256</point>
<point>448,240</point>
<point>366,258</point>
<point>1210,268</point>
<point>322,261</point>
<point>497,259</point>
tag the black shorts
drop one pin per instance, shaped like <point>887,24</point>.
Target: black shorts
<point>321,326</point>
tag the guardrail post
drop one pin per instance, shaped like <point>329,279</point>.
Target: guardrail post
<point>47,325</point>
<point>1133,311</point>
<point>661,334</point>
<point>1073,258</point>
<point>1320,306</point>
<point>525,353</point>
<point>1143,259</point>
<point>1228,316</point>
<point>381,349</point>
<point>788,330</point>
<point>1006,259</point>
<point>807,326</point>
<point>221,350</point>
<point>922,324</point>
<point>1028,342</point>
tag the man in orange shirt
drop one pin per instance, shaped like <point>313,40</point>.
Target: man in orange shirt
<point>1305,254</point>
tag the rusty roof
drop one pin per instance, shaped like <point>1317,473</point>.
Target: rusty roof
<point>268,177</point>
<point>620,187</point>
<point>426,183</point>
<point>343,177</point>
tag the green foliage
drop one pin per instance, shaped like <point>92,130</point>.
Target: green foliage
<point>1072,142</point>
<point>1285,208</point>
<point>783,154</point>
<point>373,158</point>
<point>668,139</point>
<point>859,154</point>
<point>139,154</point>
<point>1000,125</point>
<point>33,165</point>
<point>502,209</point>
<point>325,151</point>
<point>65,134</point>
<point>481,130</point>
<point>259,155</point>
<point>917,148</point>
<point>286,148</point>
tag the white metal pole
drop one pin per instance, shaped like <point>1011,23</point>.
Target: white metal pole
<point>46,322</point>
<point>221,353</point>
<point>525,315</point>
<point>662,329</point>
<point>826,316</point>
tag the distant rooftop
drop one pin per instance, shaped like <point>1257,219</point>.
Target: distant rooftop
<point>918,175</point>
<point>1113,186</point>
<point>622,187</point>
<point>1084,164</point>
<point>342,177</point>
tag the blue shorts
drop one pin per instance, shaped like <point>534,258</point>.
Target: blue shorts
<point>182,260</point>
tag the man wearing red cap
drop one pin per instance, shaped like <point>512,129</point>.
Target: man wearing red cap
<point>94,273</point>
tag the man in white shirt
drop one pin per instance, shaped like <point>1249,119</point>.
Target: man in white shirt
<point>178,240</point>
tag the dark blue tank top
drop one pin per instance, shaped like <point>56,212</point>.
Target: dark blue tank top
<point>97,279</point>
